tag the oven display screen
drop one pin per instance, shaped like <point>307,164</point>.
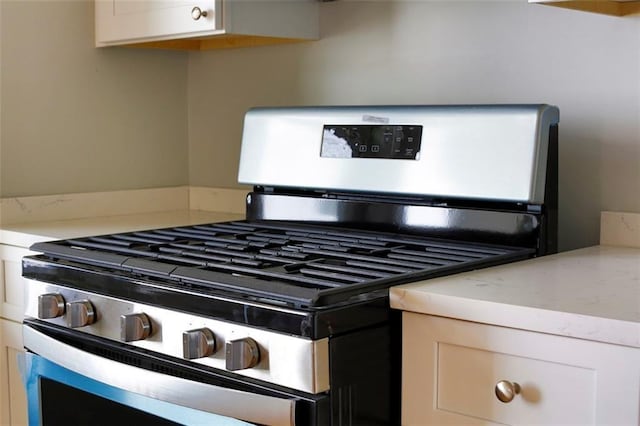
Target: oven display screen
<point>371,141</point>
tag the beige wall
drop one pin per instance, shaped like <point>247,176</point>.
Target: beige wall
<point>78,119</point>
<point>429,52</point>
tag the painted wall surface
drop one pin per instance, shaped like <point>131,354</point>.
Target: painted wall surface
<point>79,119</point>
<point>447,52</point>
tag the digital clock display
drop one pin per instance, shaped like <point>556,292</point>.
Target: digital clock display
<point>401,142</point>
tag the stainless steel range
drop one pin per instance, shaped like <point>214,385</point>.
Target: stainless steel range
<point>283,318</point>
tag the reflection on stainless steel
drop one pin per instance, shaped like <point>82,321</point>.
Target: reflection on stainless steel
<point>470,220</point>
<point>241,405</point>
<point>288,208</point>
<point>435,221</point>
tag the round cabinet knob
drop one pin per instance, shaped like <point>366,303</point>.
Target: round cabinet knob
<point>506,390</point>
<point>197,13</point>
<point>50,305</point>
<point>134,327</point>
<point>198,343</point>
<point>241,353</point>
<point>80,313</point>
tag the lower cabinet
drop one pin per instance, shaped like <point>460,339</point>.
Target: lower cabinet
<point>13,400</point>
<point>13,406</point>
<point>457,372</point>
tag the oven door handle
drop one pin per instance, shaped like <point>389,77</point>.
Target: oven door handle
<point>241,405</point>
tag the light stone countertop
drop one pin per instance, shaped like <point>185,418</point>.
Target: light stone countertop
<point>591,293</point>
<point>27,220</point>
<point>26,234</point>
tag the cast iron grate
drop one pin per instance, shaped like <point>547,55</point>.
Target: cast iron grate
<point>302,265</point>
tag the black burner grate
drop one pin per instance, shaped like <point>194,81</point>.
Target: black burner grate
<point>296,264</point>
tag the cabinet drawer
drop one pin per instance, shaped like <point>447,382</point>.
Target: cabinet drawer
<point>450,369</point>
<point>466,379</point>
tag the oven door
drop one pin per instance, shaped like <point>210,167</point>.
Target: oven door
<point>68,385</point>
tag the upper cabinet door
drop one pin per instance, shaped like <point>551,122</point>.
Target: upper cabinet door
<point>200,24</point>
<point>131,20</point>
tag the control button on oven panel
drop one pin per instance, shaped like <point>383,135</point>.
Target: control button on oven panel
<point>199,343</point>
<point>241,354</point>
<point>80,313</point>
<point>50,305</point>
<point>134,327</point>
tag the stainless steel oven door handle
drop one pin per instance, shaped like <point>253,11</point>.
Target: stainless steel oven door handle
<point>241,405</point>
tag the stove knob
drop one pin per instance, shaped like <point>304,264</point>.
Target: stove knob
<point>50,305</point>
<point>134,327</point>
<point>198,343</point>
<point>242,353</point>
<point>80,313</point>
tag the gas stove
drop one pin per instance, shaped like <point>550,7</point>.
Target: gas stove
<point>292,302</point>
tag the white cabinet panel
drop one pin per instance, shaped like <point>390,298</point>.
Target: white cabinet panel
<point>11,282</point>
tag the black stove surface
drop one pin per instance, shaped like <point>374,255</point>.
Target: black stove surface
<point>299,265</point>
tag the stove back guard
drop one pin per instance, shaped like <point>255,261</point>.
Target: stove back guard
<point>478,172</point>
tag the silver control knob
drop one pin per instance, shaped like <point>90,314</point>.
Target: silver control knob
<point>198,343</point>
<point>241,353</point>
<point>50,305</point>
<point>80,313</point>
<point>197,13</point>
<point>134,327</point>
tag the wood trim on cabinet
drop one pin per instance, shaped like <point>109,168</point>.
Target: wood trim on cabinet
<point>226,41</point>
<point>606,7</point>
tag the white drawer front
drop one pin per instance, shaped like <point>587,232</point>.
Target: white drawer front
<point>466,379</point>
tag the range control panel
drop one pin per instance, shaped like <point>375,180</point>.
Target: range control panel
<point>277,358</point>
<point>372,141</point>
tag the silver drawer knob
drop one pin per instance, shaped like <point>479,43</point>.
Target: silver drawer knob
<point>197,13</point>
<point>134,327</point>
<point>506,390</point>
<point>241,354</point>
<point>80,313</point>
<point>198,343</point>
<point>50,305</point>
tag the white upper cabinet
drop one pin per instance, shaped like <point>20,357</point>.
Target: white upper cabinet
<point>119,21</point>
<point>204,24</point>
